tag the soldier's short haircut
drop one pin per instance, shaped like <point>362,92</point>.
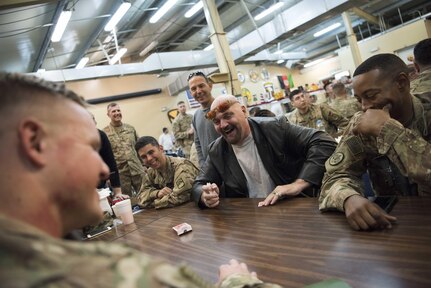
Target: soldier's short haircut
<point>144,141</point>
<point>111,105</point>
<point>293,93</point>
<point>17,89</point>
<point>389,64</point>
<point>338,88</point>
<point>180,102</point>
<point>422,52</point>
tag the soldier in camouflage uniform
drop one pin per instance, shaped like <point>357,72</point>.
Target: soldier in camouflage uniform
<point>168,181</point>
<point>183,130</point>
<point>123,138</point>
<point>51,150</point>
<point>391,140</point>
<point>421,86</point>
<point>344,104</point>
<point>317,116</point>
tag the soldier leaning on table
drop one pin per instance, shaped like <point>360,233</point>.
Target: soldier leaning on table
<point>168,181</point>
<point>391,139</point>
<point>50,146</point>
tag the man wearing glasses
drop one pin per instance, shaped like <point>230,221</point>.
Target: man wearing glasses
<point>200,88</point>
<point>259,157</point>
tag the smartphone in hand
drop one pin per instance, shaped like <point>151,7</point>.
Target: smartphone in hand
<point>387,203</point>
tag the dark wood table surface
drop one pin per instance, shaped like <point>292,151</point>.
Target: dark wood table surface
<point>291,243</point>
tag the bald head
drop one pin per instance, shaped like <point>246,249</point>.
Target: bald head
<point>223,98</point>
<point>230,119</point>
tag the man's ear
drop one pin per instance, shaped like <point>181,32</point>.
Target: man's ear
<point>32,138</point>
<point>417,68</point>
<point>403,82</point>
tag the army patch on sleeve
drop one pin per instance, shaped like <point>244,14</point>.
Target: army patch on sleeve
<point>336,158</point>
<point>355,145</point>
<point>180,183</point>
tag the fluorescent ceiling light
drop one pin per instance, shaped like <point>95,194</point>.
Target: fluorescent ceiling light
<point>198,6</point>
<point>82,63</point>
<point>162,11</point>
<point>327,29</point>
<point>268,11</point>
<point>61,25</point>
<point>280,61</point>
<point>41,70</point>
<point>118,56</point>
<point>312,63</point>
<point>278,52</point>
<point>209,47</point>
<point>117,16</point>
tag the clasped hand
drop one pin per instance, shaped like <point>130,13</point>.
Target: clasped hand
<point>372,121</point>
<point>210,195</point>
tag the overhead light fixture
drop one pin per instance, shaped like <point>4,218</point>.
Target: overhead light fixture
<point>268,11</point>
<point>40,70</point>
<point>209,47</point>
<point>278,52</point>
<point>148,48</point>
<point>117,56</point>
<point>327,29</point>
<point>312,63</point>
<point>198,6</point>
<point>280,61</point>
<point>117,16</point>
<point>81,64</point>
<point>61,25</point>
<point>162,11</point>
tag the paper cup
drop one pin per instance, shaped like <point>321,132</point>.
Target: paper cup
<point>103,200</point>
<point>123,210</point>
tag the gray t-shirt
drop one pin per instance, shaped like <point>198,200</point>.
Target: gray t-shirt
<point>205,133</point>
<point>259,183</point>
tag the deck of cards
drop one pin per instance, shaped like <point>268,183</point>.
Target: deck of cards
<point>182,228</point>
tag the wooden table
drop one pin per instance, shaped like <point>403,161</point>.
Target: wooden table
<point>291,243</point>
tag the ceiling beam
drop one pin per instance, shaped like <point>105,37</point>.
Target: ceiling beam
<point>45,45</point>
<point>8,4</point>
<point>365,15</point>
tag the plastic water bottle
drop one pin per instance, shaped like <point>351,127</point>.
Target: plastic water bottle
<point>319,125</point>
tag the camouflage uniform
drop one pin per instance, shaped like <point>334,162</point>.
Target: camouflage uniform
<point>421,88</point>
<point>408,149</point>
<point>346,107</point>
<point>320,117</point>
<point>179,176</point>
<point>123,139</point>
<point>31,258</point>
<point>180,126</point>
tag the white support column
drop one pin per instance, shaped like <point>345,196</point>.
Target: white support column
<point>351,38</point>
<point>228,74</point>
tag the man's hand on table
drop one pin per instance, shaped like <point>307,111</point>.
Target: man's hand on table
<point>363,214</point>
<point>210,195</point>
<point>282,191</point>
<point>163,192</point>
<point>235,268</point>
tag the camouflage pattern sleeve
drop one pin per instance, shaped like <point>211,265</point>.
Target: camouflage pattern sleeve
<point>176,128</point>
<point>407,150</point>
<point>334,117</point>
<point>344,170</point>
<point>242,280</point>
<point>148,192</point>
<point>185,174</point>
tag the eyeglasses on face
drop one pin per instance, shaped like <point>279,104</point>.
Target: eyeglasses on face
<point>197,73</point>
<point>222,107</point>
